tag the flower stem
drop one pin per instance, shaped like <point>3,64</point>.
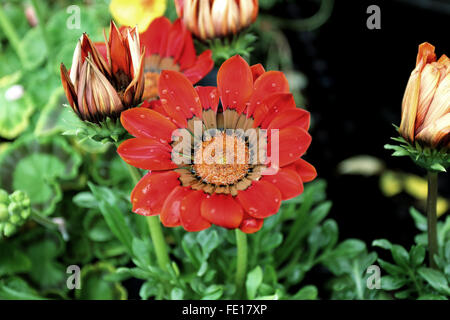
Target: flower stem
<point>155,229</point>
<point>432,217</point>
<point>241,268</point>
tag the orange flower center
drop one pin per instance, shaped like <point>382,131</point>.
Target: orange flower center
<point>222,160</point>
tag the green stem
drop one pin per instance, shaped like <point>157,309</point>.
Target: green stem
<point>12,36</point>
<point>44,221</point>
<point>432,217</point>
<point>241,267</point>
<point>154,226</point>
<point>158,240</point>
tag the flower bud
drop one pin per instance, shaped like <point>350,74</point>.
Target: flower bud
<point>100,87</point>
<point>3,212</point>
<point>426,103</point>
<point>9,229</point>
<point>3,196</point>
<point>216,18</point>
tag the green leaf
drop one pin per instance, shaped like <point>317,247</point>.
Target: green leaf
<point>37,166</point>
<point>176,294</point>
<point>85,200</point>
<point>108,205</point>
<point>46,270</point>
<point>349,248</point>
<point>12,260</point>
<point>419,219</point>
<point>15,110</point>
<point>141,250</point>
<point>417,255</point>
<point>15,288</point>
<point>306,293</point>
<point>213,292</point>
<point>55,116</point>
<point>435,279</point>
<point>209,240</point>
<point>392,283</point>
<point>254,280</point>
<point>382,243</point>
<point>400,255</point>
<point>34,48</point>
<point>95,287</point>
<point>431,296</point>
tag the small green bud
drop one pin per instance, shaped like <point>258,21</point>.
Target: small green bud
<point>3,196</point>
<point>25,213</point>
<point>14,209</point>
<point>9,229</point>
<point>26,202</point>
<point>18,196</point>
<point>3,212</point>
<point>15,219</point>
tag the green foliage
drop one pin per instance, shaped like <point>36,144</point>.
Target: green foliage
<point>407,275</point>
<point>425,157</point>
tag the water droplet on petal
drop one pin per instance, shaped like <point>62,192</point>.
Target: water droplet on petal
<point>142,116</point>
<point>178,108</point>
<point>227,91</point>
<point>274,84</point>
<point>164,91</point>
<point>163,101</point>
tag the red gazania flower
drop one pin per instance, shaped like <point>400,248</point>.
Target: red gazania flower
<point>237,195</point>
<point>170,47</point>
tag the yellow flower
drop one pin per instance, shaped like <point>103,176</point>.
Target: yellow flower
<point>136,12</point>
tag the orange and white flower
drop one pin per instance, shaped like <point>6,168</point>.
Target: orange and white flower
<point>217,18</point>
<point>105,79</point>
<point>426,103</point>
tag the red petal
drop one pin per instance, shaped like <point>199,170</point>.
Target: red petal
<point>271,106</point>
<point>202,66</point>
<point>306,170</point>
<point>150,192</point>
<point>222,210</point>
<point>175,40</point>
<point>261,200</point>
<point>170,213</point>
<point>288,181</point>
<point>235,83</point>
<point>257,70</point>
<point>293,143</point>
<point>148,154</point>
<point>101,47</point>
<point>191,218</point>
<point>155,105</point>
<point>268,83</point>
<point>146,123</point>
<point>178,97</point>
<point>209,97</point>
<point>155,35</point>
<point>188,55</point>
<point>118,52</point>
<point>291,118</point>
<point>251,225</point>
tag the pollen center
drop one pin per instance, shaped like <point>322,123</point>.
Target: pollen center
<point>221,160</point>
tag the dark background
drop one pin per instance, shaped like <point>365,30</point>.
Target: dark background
<point>356,80</point>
